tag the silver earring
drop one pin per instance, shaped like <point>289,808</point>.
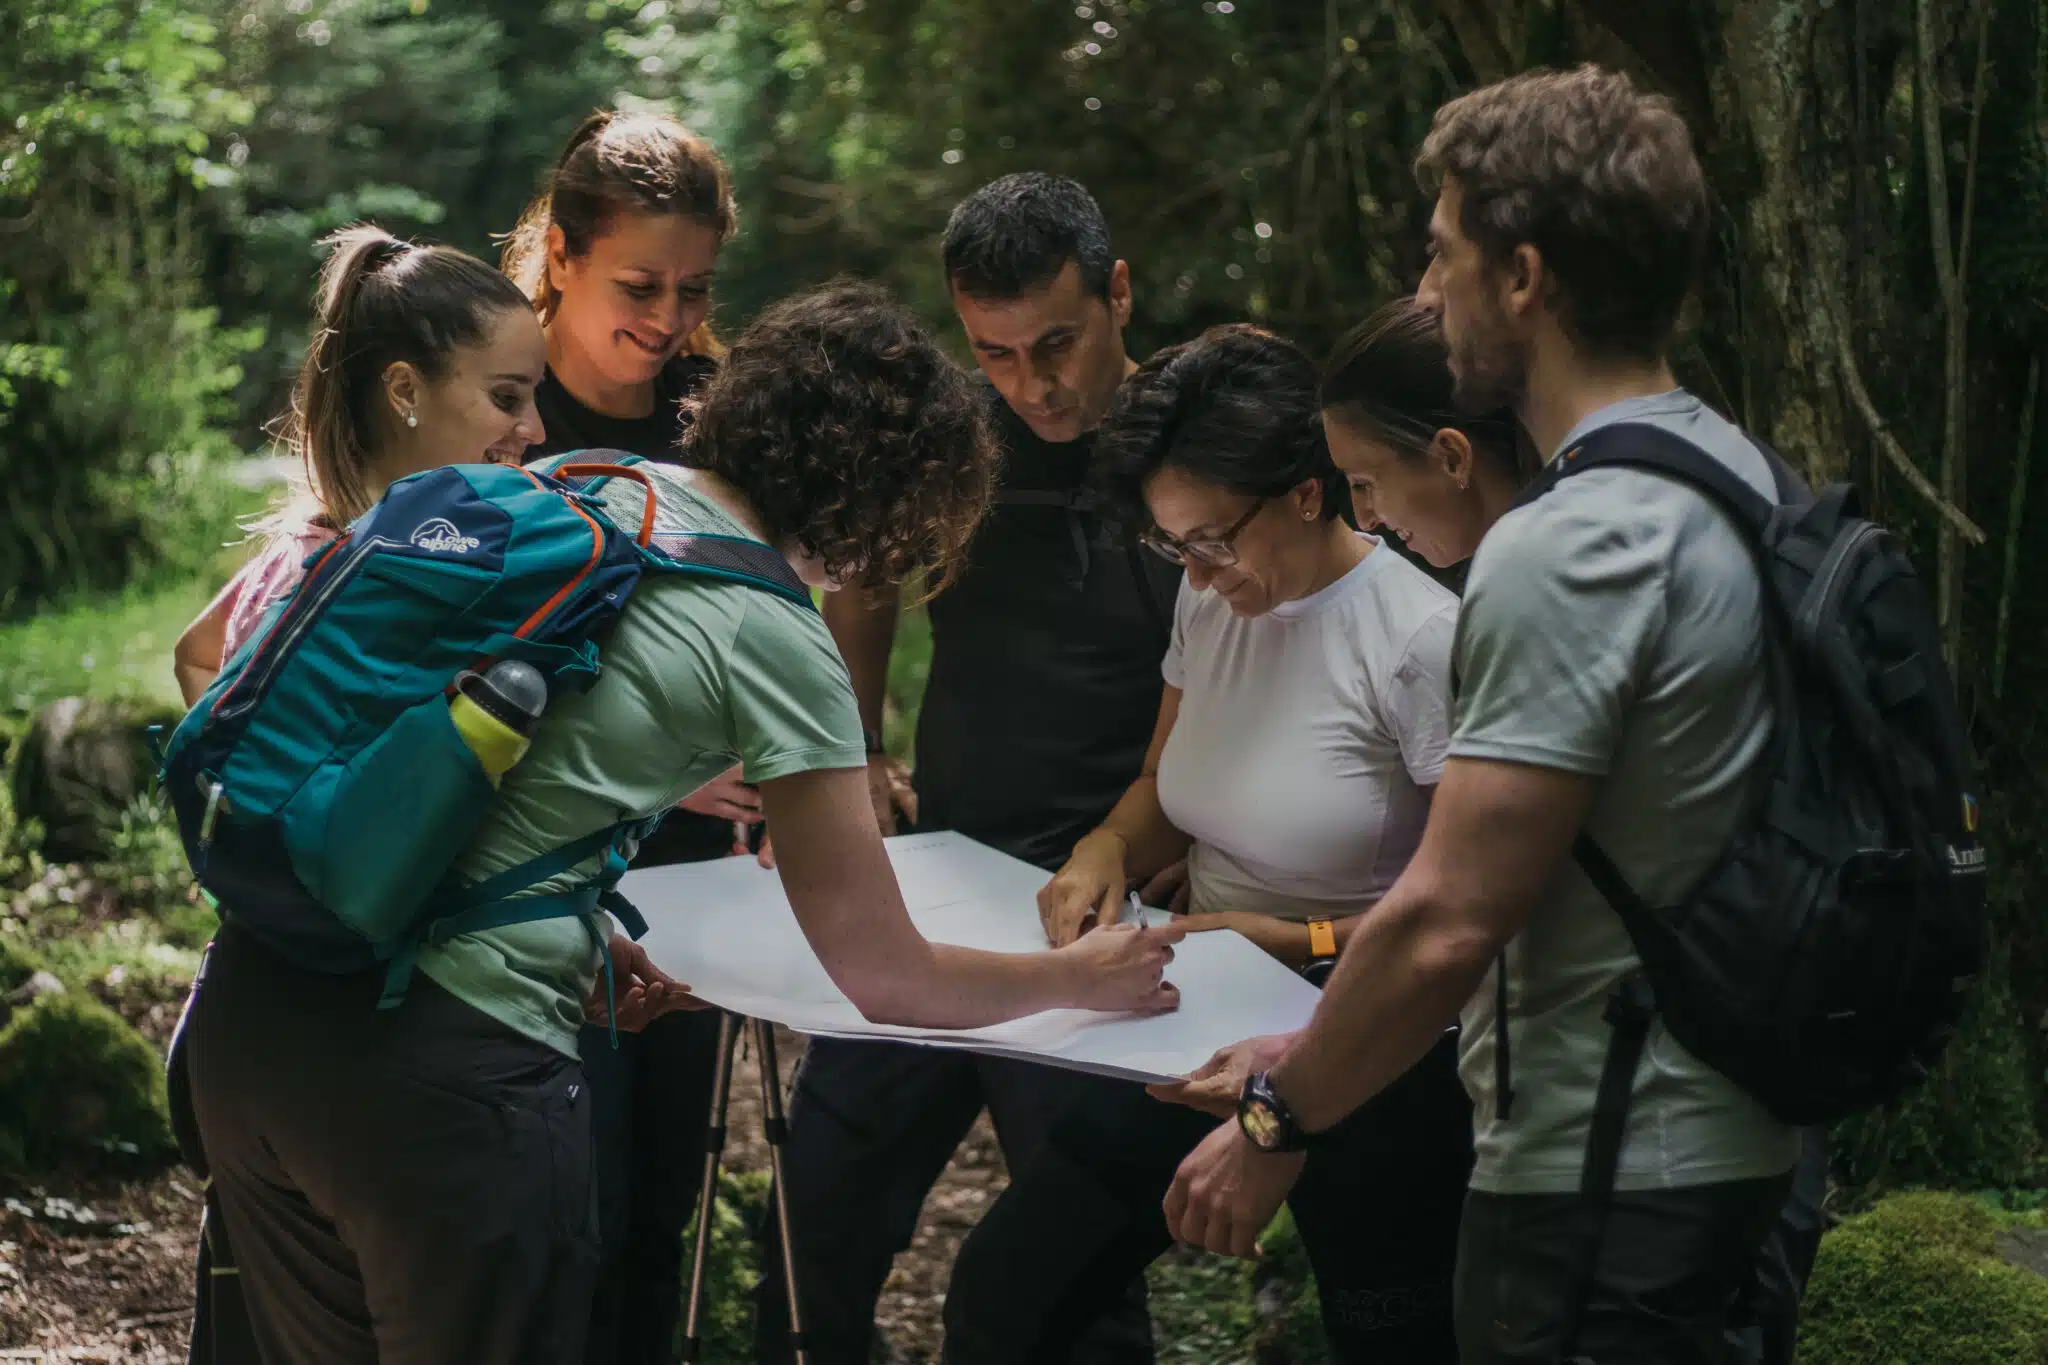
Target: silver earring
<point>412,419</point>
<point>1308,514</point>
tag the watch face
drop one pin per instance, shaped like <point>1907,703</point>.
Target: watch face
<point>1260,1124</point>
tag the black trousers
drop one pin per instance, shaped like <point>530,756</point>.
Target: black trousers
<point>402,1187</point>
<point>650,1105</point>
<point>1377,1208</point>
<point>1672,1271</point>
<point>872,1125</point>
<point>1770,1336</point>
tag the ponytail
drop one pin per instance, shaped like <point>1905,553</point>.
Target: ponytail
<point>332,447</point>
<point>1391,376</point>
<point>380,301</point>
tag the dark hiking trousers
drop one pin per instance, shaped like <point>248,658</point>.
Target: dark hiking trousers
<point>872,1126</point>
<point>402,1187</point>
<point>1786,1260</point>
<point>650,1105</point>
<point>1673,1268</point>
<point>1376,1206</point>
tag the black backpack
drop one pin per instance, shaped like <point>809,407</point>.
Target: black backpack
<point>1824,961</point>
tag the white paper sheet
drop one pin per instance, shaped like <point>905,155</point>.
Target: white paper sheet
<point>725,928</point>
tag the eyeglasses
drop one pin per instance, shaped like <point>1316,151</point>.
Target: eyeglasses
<point>1216,552</point>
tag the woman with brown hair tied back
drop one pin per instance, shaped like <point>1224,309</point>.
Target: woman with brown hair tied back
<point>617,252</point>
<point>420,356</point>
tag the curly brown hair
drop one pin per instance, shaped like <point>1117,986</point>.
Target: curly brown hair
<point>852,435</point>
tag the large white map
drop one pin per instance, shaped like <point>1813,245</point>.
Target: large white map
<point>725,928</point>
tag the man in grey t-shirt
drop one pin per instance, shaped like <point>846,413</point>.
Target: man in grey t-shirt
<point>1611,673</point>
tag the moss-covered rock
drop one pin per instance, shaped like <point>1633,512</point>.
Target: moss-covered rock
<point>76,1082</point>
<point>1918,1281</point>
<point>81,763</point>
<point>731,1270</point>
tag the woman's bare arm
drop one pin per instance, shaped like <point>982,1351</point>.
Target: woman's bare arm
<point>197,659</point>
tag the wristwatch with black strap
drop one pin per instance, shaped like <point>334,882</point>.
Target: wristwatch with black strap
<point>1265,1118</point>
<point>872,740</point>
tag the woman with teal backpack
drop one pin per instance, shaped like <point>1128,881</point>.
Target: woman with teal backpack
<point>413,1183</point>
<point>421,356</point>
<point>617,253</point>
<point>463,361</point>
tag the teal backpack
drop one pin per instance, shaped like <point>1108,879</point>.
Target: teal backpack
<point>321,787</point>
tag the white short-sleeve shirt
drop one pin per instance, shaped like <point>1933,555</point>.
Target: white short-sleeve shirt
<point>1308,739</point>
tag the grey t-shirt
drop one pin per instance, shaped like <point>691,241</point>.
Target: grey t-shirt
<point>1613,628</point>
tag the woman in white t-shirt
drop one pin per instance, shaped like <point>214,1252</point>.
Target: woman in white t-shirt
<point>1300,734</point>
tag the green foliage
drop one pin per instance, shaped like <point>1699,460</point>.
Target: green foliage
<point>114,647</point>
<point>1917,1281</point>
<point>1252,160</point>
<point>1202,1308</point>
<point>113,370</point>
<point>76,1083</point>
<point>19,840</point>
<point>1971,1124</point>
<point>910,666</point>
<point>146,867</point>
<point>17,963</point>
<point>1285,1288</point>
<point>731,1271</point>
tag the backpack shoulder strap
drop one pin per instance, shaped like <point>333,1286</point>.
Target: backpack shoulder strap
<point>735,559</point>
<point>597,457</point>
<point>1640,445</point>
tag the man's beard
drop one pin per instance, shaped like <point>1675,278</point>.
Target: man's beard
<point>1489,375</point>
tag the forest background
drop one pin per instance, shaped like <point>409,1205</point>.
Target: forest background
<point>1877,304</point>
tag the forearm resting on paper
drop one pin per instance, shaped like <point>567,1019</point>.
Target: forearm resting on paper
<point>838,879</point>
<point>1498,836</point>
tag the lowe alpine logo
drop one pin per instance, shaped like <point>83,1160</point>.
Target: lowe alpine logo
<point>441,535</point>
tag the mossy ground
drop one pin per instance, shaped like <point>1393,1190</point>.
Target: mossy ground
<point>76,1082</point>
<point>1918,1280</point>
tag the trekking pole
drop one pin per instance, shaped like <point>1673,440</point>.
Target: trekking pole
<point>707,1198</point>
<point>777,1130</point>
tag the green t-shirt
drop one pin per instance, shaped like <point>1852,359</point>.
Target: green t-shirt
<point>698,675</point>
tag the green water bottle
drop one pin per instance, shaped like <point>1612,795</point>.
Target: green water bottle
<point>495,711</point>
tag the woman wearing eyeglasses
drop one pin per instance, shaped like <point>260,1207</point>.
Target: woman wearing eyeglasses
<point>1300,735</point>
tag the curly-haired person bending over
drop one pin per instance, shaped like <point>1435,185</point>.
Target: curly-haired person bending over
<point>413,1185</point>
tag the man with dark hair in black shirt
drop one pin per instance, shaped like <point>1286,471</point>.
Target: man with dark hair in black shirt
<point>1044,689</point>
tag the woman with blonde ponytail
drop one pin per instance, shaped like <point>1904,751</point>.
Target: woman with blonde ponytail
<point>617,253</point>
<point>420,356</point>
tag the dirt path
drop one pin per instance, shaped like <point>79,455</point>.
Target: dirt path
<point>101,1270</point>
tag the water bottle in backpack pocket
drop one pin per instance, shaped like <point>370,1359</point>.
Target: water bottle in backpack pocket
<point>344,759</point>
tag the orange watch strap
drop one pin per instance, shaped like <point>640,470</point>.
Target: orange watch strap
<point>1322,939</point>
